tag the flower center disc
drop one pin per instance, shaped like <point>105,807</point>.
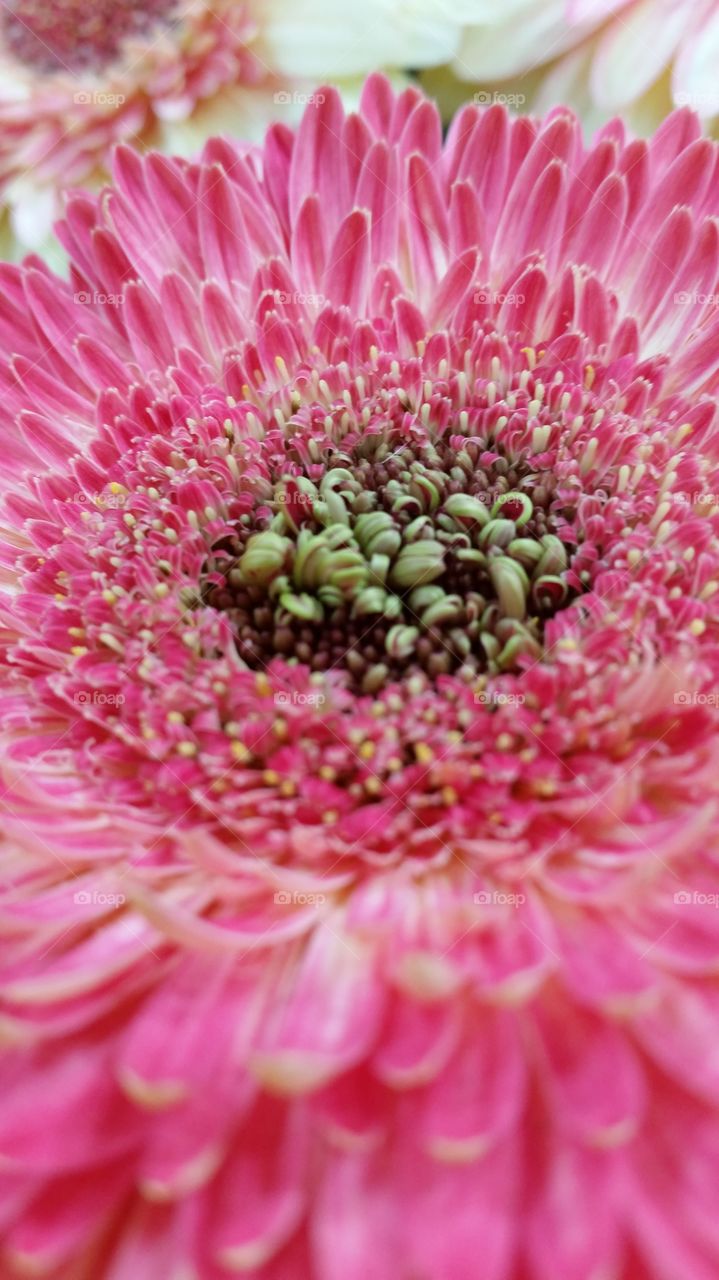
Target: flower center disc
<point>423,556</point>
<point>74,35</point>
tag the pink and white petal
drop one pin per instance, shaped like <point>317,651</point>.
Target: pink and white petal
<point>326,1012</point>
<point>480,1095</point>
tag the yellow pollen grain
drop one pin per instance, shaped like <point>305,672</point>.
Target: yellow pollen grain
<point>76,632</point>
<point>239,751</point>
<point>449,795</point>
<point>505,742</point>
<point>175,717</point>
<point>129,519</point>
<point>271,778</point>
<point>330,816</point>
<point>589,376</point>
<point>111,641</point>
<point>424,753</point>
<point>187,749</point>
<point>372,786</point>
<point>288,788</point>
<point>697,627</point>
<point>394,764</point>
<point>162,590</point>
<point>367,750</point>
<point>117,488</point>
<point>544,787</point>
<point>279,728</point>
<point>327,773</point>
<point>262,685</point>
<point>79,650</point>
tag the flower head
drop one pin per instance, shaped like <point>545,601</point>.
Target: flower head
<point>360,683</point>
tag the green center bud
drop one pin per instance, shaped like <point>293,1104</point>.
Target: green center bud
<point>415,557</point>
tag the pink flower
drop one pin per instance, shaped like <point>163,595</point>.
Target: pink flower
<point>79,77</point>
<point>360,688</point>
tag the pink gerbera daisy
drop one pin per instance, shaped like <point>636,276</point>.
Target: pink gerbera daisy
<point>78,77</point>
<point>360,683</point>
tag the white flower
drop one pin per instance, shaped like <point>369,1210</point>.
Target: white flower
<point>637,57</point>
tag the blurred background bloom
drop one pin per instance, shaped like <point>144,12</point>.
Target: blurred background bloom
<point>321,39</point>
<point>602,57</point>
<point>75,79</point>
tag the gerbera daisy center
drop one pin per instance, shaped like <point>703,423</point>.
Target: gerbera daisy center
<point>431,555</point>
<point>73,36</point>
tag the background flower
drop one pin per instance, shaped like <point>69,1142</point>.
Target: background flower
<point>603,57</point>
<point>315,39</point>
<point>77,78</point>
<point>360,760</point>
